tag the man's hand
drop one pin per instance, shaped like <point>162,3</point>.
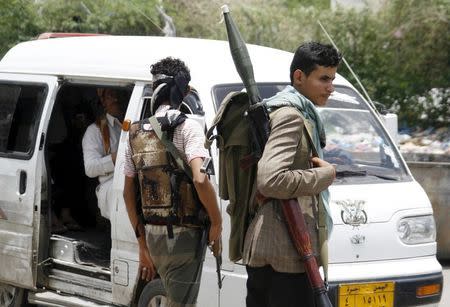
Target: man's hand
<point>214,238</point>
<point>147,269</point>
<point>317,162</point>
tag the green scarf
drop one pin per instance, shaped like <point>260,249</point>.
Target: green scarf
<point>291,97</point>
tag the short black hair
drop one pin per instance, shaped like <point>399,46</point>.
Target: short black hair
<point>311,54</point>
<point>170,67</point>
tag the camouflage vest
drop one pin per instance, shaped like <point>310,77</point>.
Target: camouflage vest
<point>168,195</point>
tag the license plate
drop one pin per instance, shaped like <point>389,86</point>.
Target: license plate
<point>379,294</point>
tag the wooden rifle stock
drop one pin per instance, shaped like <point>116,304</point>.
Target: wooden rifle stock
<point>302,242</point>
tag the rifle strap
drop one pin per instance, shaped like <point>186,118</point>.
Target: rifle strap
<point>162,135</point>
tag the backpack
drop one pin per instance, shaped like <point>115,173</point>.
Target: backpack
<point>168,195</point>
<point>237,166</point>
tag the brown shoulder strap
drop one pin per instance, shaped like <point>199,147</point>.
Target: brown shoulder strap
<point>102,124</point>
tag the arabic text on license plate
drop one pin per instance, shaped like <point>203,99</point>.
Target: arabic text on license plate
<point>380,294</point>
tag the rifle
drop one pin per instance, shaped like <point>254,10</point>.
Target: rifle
<point>258,115</point>
<point>216,250</point>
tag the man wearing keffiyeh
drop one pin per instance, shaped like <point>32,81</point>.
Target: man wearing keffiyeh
<point>286,170</point>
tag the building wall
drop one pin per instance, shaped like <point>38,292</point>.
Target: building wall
<point>434,177</point>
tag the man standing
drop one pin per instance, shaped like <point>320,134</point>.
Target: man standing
<point>171,241</point>
<point>100,143</point>
<point>276,275</point>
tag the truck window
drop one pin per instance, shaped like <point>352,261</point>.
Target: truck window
<point>20,109</point>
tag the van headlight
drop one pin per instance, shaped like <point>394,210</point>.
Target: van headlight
<point>416,230</point>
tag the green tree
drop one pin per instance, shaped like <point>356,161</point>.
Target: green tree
<point>400,53</point>
<point>319,4</point>
<point>122,17</point>
<point>17,23</point>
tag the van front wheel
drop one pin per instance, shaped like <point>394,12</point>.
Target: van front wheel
<point>153,295</point>
<point>11,296</point>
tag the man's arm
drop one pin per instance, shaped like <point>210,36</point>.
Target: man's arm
<point>146,267</point>
<point>193,140</point>
<point>95,162</point>
<point>208,198</point>
<point>275,177</point>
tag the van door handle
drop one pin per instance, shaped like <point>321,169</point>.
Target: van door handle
<point>23,182</point>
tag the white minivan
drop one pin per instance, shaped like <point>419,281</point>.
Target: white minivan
<point>382,248</point>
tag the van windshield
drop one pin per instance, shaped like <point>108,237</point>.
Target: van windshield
<point>356,142</point>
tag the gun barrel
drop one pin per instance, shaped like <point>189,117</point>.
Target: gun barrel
<point>219,274</point>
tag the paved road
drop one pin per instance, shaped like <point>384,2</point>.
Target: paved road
<point>445,300</point>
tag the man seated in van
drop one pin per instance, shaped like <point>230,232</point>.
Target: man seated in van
<point>100,143</point>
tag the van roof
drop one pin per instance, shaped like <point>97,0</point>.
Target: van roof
<point>130,57</point>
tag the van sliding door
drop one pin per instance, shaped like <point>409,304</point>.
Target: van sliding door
<point>24,101</point>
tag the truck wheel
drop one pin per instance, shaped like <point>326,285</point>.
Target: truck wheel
<point>11,296</point>
<point>153,295</point>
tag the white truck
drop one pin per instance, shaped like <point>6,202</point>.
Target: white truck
<point>382,251</point>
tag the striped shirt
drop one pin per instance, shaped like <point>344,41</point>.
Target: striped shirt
<point>188,138</point>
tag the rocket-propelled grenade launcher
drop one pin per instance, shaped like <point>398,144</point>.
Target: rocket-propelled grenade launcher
<point>257,113</point>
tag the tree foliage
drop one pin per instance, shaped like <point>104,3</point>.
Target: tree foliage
<point>18,22</point>
<point>122,17</point>
<point>400,53</point>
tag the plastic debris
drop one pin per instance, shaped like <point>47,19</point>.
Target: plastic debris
<point>426,145</point>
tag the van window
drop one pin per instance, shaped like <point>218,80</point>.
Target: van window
<point>20,109</point>
<point>356,142</point>
<point>266,90</point>
<point>342,98</point>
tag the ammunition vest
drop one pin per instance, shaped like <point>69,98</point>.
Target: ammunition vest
<point>168,195</point>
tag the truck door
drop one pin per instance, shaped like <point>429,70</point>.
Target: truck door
<point>24,104</point>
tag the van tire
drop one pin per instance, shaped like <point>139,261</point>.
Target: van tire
<point>11,296</point>
<point>153,295</point>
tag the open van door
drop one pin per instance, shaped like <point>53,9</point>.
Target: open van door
<point>24,101</point>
